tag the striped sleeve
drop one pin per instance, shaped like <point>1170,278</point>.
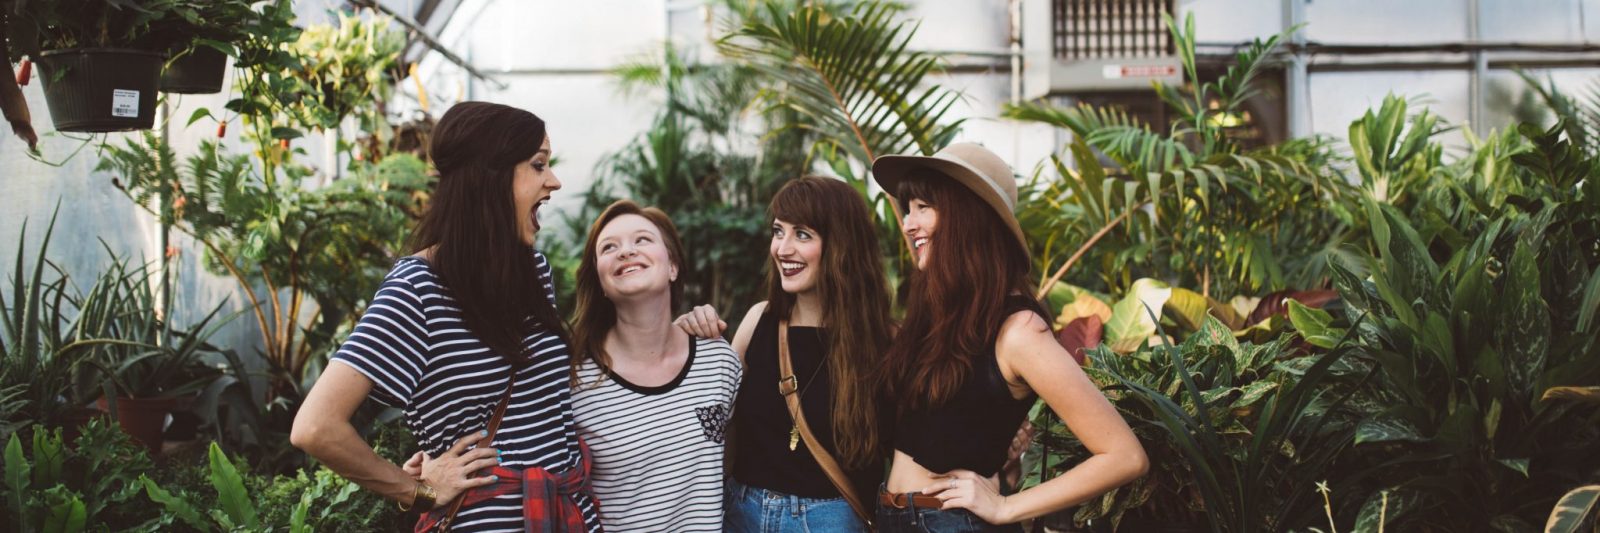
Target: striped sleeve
<point>546,279</point>
<point>390,343</point>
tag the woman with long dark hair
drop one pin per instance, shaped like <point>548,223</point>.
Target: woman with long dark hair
<point>827,312</point>
<point>463,336</point>
<point>973,353</point>
<point>651,400</point>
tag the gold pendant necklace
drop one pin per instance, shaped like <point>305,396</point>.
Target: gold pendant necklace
<point>794,436</point>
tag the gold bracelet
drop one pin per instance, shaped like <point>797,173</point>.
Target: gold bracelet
<point>425,497</point>
<point>422,498</point>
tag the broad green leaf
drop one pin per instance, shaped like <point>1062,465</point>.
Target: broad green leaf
<point>230,490</point>
<point>1130,324</point>
<point>1525,329</point>
<point>1381,509</point>
<point>1253,393</point>
<point>1083,305</point>
<point>1314,325</point>
<point>1243,306</point>
<point>198,114</point>
<point>48,457</point>
<point>1187,308</point>
<point>1590,303</point>
<point>17,474</point>
<point>179,507</point>
<point>1520,465</point>
<point>65,517</point>
<point>1387,429</point>
<point>1581,394</point>
<point>1575,511</point>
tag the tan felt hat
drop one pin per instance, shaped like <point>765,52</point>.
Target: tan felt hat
<point>971,165</point>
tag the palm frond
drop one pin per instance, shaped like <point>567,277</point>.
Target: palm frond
<point>854,77</point>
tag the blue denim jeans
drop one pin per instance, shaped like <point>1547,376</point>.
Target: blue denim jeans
<point>757,510</point>
<point>912,519</point>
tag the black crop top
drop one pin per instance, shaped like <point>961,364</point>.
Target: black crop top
<point>973,429</point>
<point>762,457</point>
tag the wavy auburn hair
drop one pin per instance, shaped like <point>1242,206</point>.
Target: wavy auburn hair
<point>855,305</point>
<point>596,314</point>
<point>473,227</point>
<point>955,304</point>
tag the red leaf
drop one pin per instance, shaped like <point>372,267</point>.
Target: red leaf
<point>1277,303</point>
<point>1080,335</point>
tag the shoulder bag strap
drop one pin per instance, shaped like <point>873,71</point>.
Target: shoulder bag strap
<point>787,386</point>
<point>494,426</point>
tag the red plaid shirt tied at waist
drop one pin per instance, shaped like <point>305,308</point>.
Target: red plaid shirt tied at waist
<point>547,504</point>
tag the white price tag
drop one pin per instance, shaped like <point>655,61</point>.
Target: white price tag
<point>124,103</point>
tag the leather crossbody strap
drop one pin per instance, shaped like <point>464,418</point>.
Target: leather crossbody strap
<point>494,426</point>
<point>787,386</point>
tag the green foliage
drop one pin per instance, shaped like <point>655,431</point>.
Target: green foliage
<point>330,244</point>
<point>53,487</point>
<point>1233,428</point>
<point>121,332</point>
<point>1576,511</point>
<point>1469,333</point>
<point>1190,206</point>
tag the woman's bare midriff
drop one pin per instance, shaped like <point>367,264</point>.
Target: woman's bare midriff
<point>905,475</point>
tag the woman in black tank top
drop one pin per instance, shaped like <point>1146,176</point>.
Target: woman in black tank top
<point>827,294</point>
<point>974,353</point>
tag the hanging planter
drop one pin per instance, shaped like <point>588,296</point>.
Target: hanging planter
<point>198,71</point>
<point>101,89</point>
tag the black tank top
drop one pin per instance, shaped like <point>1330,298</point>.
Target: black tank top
<point>973,429</point>
<point>762,456</point>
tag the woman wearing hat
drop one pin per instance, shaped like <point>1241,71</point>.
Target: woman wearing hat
<point>972,355</point>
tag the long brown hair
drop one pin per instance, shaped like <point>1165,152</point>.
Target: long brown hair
<point>855,304</point>
<point>957,302</point>
<point>596,314</point>
<point>473,227</point>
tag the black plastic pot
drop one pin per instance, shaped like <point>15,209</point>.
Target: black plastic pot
<point>200,71</point>
<point>101,89</point>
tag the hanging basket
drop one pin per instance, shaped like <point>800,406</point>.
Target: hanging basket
<point>97,90</point>
<point>200,71</point>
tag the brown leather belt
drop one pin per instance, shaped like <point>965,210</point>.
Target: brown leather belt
<point>901,501</point>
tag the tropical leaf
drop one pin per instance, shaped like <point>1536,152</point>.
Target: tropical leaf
<point>1084,305</point>
<point>856,76</point>
<point>1574,512</point>
<point>1582,394</point>
<point>176,505</point>
<point>1131,320</point>
<point>1187,308</point>
<point>1387,429</point>
<point>1314,325</point>
<point>231,495</point>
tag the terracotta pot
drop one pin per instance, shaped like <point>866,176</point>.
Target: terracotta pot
<point>143,418</point>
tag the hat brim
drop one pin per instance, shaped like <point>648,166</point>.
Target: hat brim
<point>890,170</point>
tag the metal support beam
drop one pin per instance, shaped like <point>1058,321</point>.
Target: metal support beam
<point>422,33</point>
<point>1297,82</point>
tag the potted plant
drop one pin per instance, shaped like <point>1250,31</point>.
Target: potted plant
<point>38,383</point>
<point>98,59</point>
<point>147,366</point>
<point>200,38</point>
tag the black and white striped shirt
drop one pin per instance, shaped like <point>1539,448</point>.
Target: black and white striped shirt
<point>414,345</point>
<point>658,450</point>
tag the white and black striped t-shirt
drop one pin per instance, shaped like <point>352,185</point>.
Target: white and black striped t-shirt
<point>658,450</point>
<point>414,345</point>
